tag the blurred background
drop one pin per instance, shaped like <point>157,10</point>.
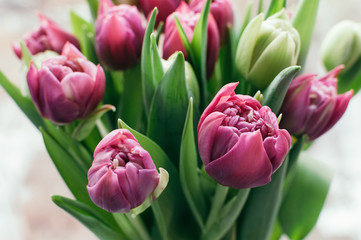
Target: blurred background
<point>28,177</point>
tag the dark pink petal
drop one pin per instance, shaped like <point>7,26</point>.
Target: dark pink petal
<point>32,78</point>
<point>206,135</point>
<point>222,96</point>
<point>104,6</point>
<point>246,165</point>
<point>225,139</point>
<point>113,139</point>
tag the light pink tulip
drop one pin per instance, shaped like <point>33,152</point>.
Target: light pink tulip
<point>123,174</point>
<point>312,106</point>
<point>118,35</point>
<point>239,141</point>
<point>49,36</point>
<point>66,87</point>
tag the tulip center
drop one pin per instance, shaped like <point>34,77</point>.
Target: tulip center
<point>242,118</point>
<point>122,158</point>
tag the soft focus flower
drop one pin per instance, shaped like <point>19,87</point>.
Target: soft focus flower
<point>266,47</point>
<point>165,8</point>
<point>119,35</point>
<point>123,174</point>
<point>49,36</point>
<point>66,87</point>
<point>342,45</point>
<point>188,20</point>
<point>221,10</point>
<point>239,140</point>
<point>312,106</point>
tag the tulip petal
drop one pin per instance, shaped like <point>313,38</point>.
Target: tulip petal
<point>206,135</point>
<point>246,165</point>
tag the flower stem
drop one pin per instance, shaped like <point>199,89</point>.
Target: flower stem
<point>157,211</point>
<point>217,203</point>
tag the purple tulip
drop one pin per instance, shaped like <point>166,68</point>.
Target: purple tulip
<point>119,35</point>
<point>165,8</point>
<point>312,106</point>
<point>188,20</point>
<point>239,140</point>
<point>221,10</point>
<point>66,87</point>
<point>123,174</point>
<point>49,36</point>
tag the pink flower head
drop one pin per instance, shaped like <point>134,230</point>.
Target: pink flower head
<point>312,106</point>
<point>188,20</point>
<point>123,174</point>
<point>49,36</point>
<point>165,8</point>
<point>66,87</point>
<point>221,10</point>
<point>239,141</point>
<point>119,35</point>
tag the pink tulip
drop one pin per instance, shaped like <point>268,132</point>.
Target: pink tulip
<point>66,87</point>
<point>119,35</point>
<point>239,140</point>
<point>49,36</point>
<point>221,10</point>
<point>188,20</point>
<point>312,106</point>
<point>165,8</point>
<point>123,174</point>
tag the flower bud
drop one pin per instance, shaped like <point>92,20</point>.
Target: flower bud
<point>66,87</point>
<point>239,141</point>
<point>119,35</point>
<point>49,36</point>
<point>221,10</point>
<point>123,174</point>
<point>165,8</point>
<point>312,106</point>
<point>188,19</point>
<point>265,48</point>
<point>342,45</point>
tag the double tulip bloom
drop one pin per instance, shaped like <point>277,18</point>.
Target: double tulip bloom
<point>188,19</point>
<point>123,174</point>
<point>239,141</point>
<point>312,106</point>
<point>66,87</point>
<point>49,36</point>
<point>118,35</point>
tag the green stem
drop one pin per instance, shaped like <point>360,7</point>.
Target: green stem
<point>138,224</point>
<point>217,203</point>
<point>157,211</point>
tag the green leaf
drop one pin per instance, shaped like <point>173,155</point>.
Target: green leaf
<point>260,212</point>
<point>304,21</point>
<point>26,56</point>
<point>199,51</point>
<point>227,216</point>
<point>24,103</point>
<point>169,109</point>
<point>275,6</point>
<point>305,198</point>
<point>275,93</point>
<point>146,64</point>
<point>157,61</point>
<point>86,125</point>
<point>93,7</point>
<point>89,218</point>
<point>277,231</point>
<point>84,31</point>
<point>188,169</point>
<point>183,36</point>
<point>73,175</point>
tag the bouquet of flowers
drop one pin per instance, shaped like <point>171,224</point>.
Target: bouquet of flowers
<point>170,120</point>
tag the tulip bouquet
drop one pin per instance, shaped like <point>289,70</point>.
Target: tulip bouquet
<point>175,120</point>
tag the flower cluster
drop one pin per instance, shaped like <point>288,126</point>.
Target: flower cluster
<point>149,60</point>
